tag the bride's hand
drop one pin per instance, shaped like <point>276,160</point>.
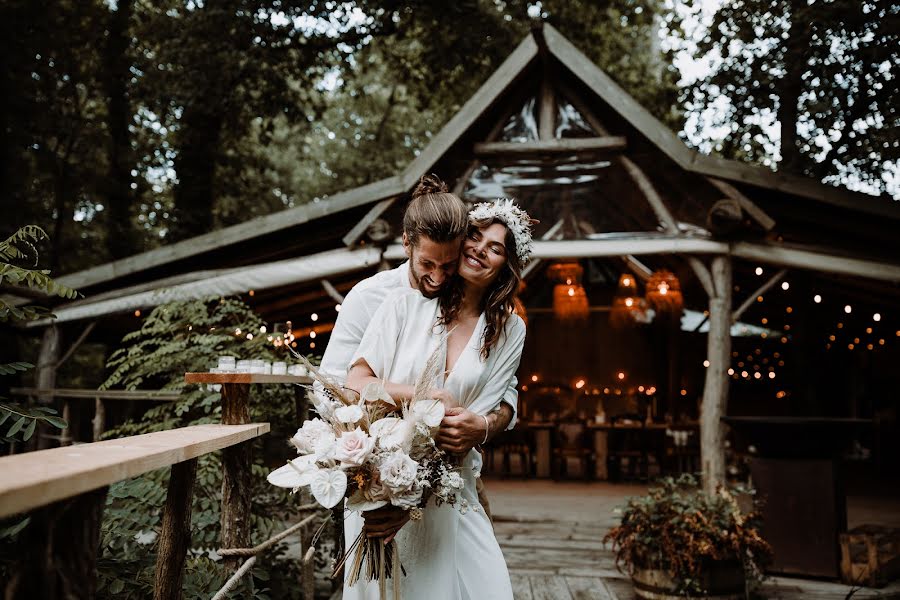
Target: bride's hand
<point>385,522</point>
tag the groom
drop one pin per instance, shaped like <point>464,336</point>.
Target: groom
<point>434,227</point>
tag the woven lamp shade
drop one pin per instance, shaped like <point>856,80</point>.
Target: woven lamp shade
<point>570,301</point>
<point>628,308</point>
<point>664,294</point>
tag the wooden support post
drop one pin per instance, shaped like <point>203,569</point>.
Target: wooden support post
<point>99,421</point>
<point>58,550</point>
<point>308,563</point>
<point>715,391</point>
<point>236,478</point>
<point>45,374</point>
<point>175,534</point>
<point>65,437</point>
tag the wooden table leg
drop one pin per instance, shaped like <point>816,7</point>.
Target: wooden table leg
<point>175,534</point>
<point>542,441</point>
<point>601,452</point>
<point>236,479</point>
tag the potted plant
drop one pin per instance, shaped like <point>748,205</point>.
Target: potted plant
<point>679,542</point>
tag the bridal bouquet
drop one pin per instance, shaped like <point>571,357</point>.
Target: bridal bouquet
<point>373,451</point>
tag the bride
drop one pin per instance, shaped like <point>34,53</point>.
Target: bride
<point>451,552</point>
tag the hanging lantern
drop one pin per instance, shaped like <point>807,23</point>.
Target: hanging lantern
<point>570,301</point>
<point>628,308</point>
<point>664,294</point>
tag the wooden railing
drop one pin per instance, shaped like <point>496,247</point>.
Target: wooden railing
<point>64,492</point>
<point>98,396</point>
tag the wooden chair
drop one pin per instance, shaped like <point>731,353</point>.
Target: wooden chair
<point>627,446</point>
<point>518,441</point>
<point>573,439</point>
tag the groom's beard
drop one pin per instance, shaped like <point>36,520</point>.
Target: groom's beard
<point>425,285</point>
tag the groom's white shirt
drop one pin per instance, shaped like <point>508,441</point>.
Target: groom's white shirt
<point>357,310</point>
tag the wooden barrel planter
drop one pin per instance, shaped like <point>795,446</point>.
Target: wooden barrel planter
<point>721,581</point>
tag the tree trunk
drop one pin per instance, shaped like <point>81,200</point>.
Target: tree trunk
<point>175,534</point>
<point>120,238</point>
<point>196,167</point>
<point>791,86</point>
<point>58,550</point>
<point>715,390</point>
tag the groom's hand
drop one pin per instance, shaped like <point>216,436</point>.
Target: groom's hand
<point>461,430</point>
<point>385,522</point>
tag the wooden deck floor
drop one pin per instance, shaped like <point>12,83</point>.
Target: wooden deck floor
<point>566,561</point>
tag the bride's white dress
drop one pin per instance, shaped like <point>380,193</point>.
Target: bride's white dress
<point>446,555</point>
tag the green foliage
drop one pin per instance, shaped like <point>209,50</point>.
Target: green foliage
<point>810,86</point>
<point>678,528</point>
<point>18,247</point>
<point>173,339</point>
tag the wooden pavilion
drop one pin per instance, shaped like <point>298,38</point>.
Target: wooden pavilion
<point>774,266</point>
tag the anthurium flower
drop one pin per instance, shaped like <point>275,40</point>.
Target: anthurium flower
<point>328,486</point>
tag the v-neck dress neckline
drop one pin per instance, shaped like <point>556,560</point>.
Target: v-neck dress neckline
<point>479,325</point>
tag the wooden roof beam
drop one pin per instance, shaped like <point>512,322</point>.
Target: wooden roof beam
<point>595,146</point>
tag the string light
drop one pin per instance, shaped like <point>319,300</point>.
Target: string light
<point>620,375</point>
<point>684,392</point>
<point>759,270</point>
<point>771,374</point>
<point>785,285</point>
<point>137,313</point>
<point>249,336</point>
<point>579,384</point>
<point>840,326</point>
<point>731,371</point>
<point>789,310</point>
<point>868,330</point>
<point>745,374</point>
<point>251,293</point>
<point>312,335</point>
<point>757,375</point>
<point>262,329</point>
<point>876,317</point>
<point>706,363</point>
<point>314,317</point>
<point>870,346</point>
<point>312,344</point>
<point>764,320</point>
<point>849,346</point>
<point>848,309</point>
<point>881,342</point>
<point>759,298</point>
<point>337,307</point>
<point>817,299</point>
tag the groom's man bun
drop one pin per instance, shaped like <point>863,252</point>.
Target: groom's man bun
<point>435,213</point>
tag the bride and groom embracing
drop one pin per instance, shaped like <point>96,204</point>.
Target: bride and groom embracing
<point>456,294</point>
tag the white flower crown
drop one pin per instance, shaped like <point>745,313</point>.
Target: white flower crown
<point>516,220</point>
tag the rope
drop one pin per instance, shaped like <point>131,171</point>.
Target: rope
<point>252,552</point>
<point>231,583</point>
<point>268,543</point>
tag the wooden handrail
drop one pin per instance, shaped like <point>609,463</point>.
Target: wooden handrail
<point>35,479</point>
<point>95,394</point>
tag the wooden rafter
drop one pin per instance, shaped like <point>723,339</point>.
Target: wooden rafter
<point>596,146</point>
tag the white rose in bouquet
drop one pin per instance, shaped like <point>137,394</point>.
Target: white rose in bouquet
<point>408,498</point>
<point>349,414</point>
<point>430,412</point>
<point>354,447</point>
<point>325,447</point>
<point>393,432</point>
<point>308,436</point>
<point>398,471</point>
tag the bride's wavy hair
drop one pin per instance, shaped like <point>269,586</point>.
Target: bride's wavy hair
<point>499,300</point>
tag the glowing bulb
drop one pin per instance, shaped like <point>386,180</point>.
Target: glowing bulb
<point>137,313</point>
<point>771,374</point>
<point>759,298</point>
<point>848,309</point>
<point>571,291</point>
<point>629,302</point>
<point>312,335</point>
<point>579,384</point>
<point>620,375</point>
<point>705,363</point>
<point>759,270</point>
<point>789,310</point>
<point>817,299</point>
<point>785,285</point>
<point>249,336</point>
<point>684,392</point>
<point>312,344</point>
<point>314,317</point>
<point>534,378</point>
<point>757,375</point>
<point>745,374</point>
<point>337,307</point>
<point>626,282</point>
<point>262,329</point>
<point>251,293</point>
<point>731,371</point>
<point>876,317</point>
